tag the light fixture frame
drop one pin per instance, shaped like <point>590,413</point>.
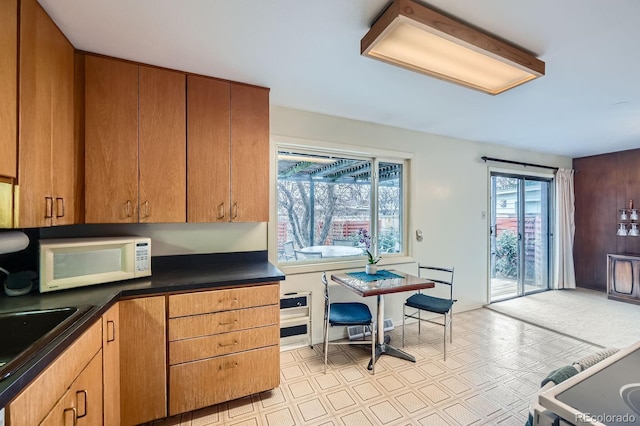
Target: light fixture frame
<point>452,30</point>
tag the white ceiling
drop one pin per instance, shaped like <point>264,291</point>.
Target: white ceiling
<point>308,53</point>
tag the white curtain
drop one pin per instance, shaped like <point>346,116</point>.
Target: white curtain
<point>564,276</point>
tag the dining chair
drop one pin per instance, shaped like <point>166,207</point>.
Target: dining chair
<point>347,314</point>
<point>437,305</point>
<point>289,251</point>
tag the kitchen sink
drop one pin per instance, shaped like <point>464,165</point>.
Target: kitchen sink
<point>24,333</point>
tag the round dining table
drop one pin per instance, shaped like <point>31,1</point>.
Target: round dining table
<point>333,251</point>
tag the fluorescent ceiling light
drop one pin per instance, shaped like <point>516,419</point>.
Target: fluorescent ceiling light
<point>412,36</point>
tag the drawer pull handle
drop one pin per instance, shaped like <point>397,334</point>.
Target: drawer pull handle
<point>113,331</point>
<point>72,411</point>
<point>229,323</point>
<point>84,404</point>
<point>228,366</point>
<point>223,301</point>
<point>235,342</point>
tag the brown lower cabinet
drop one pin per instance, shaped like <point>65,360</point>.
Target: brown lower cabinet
<point>66,389</point>
<point>111,364</point>
<point>82,403</point>
<point>143,361</point>
<point>221,345</point>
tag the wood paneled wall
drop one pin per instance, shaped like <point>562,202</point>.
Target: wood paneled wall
<point>603,184</point>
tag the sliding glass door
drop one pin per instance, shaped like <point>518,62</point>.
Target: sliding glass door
<point>520,235</point>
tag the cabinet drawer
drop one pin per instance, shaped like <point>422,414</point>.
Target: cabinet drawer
<point>222,344</point>
<point>202,383</point>
<point>222,322</point>
<point>32,405</point>
<point>222,300</point>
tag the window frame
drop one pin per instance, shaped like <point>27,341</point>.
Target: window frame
<point>377,155</point>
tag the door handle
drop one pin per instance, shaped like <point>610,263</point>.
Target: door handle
<point>235,210</point>
<point>221,212</point>
<point>84,403</point>
<point>48,214</point>
<point>58,203</point>
<point>113,331</point>
<point>73,413</point>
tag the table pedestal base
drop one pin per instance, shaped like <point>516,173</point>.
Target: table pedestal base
<point>386,349</point>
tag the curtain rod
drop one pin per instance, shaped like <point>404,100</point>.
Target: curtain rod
<point>485,159</point>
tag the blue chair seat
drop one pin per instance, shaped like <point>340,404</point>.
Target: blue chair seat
<point>350,313</point>
<point>429,303</point>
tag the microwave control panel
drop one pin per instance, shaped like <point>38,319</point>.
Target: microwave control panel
<point>143,258</point>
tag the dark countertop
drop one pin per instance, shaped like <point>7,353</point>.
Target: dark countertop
<point>169,274</point>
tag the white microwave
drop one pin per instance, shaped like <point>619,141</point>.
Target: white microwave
<point>77,262</point>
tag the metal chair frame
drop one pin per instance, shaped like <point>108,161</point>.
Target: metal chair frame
<point>289,251</point>
<point>327,324</point>
<point>447,323</point>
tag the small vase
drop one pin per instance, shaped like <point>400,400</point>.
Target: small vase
<point>371,268</point>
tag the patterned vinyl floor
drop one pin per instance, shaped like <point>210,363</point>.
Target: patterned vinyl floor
<point>493,368</point>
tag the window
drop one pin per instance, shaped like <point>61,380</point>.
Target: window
<point>333,207</point>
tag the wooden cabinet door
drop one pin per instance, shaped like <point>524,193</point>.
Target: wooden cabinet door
<point>36,63</point>
<point>143,360</point>
<point>208,168</point>
<point>163,149</point>
<point>111,141</point>
<point>82,403</point>
<point>37,400</point>
<point>111,365</point>
<point>63,148</point>
<point>249,153</point>
<point>8,86</point>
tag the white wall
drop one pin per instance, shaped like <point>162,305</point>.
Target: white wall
<point>449,201</point>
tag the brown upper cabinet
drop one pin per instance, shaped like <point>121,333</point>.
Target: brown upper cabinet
<point>47,168</point>
<point>135,143</point>
<point>228,151</point>
<point>8,86</point>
